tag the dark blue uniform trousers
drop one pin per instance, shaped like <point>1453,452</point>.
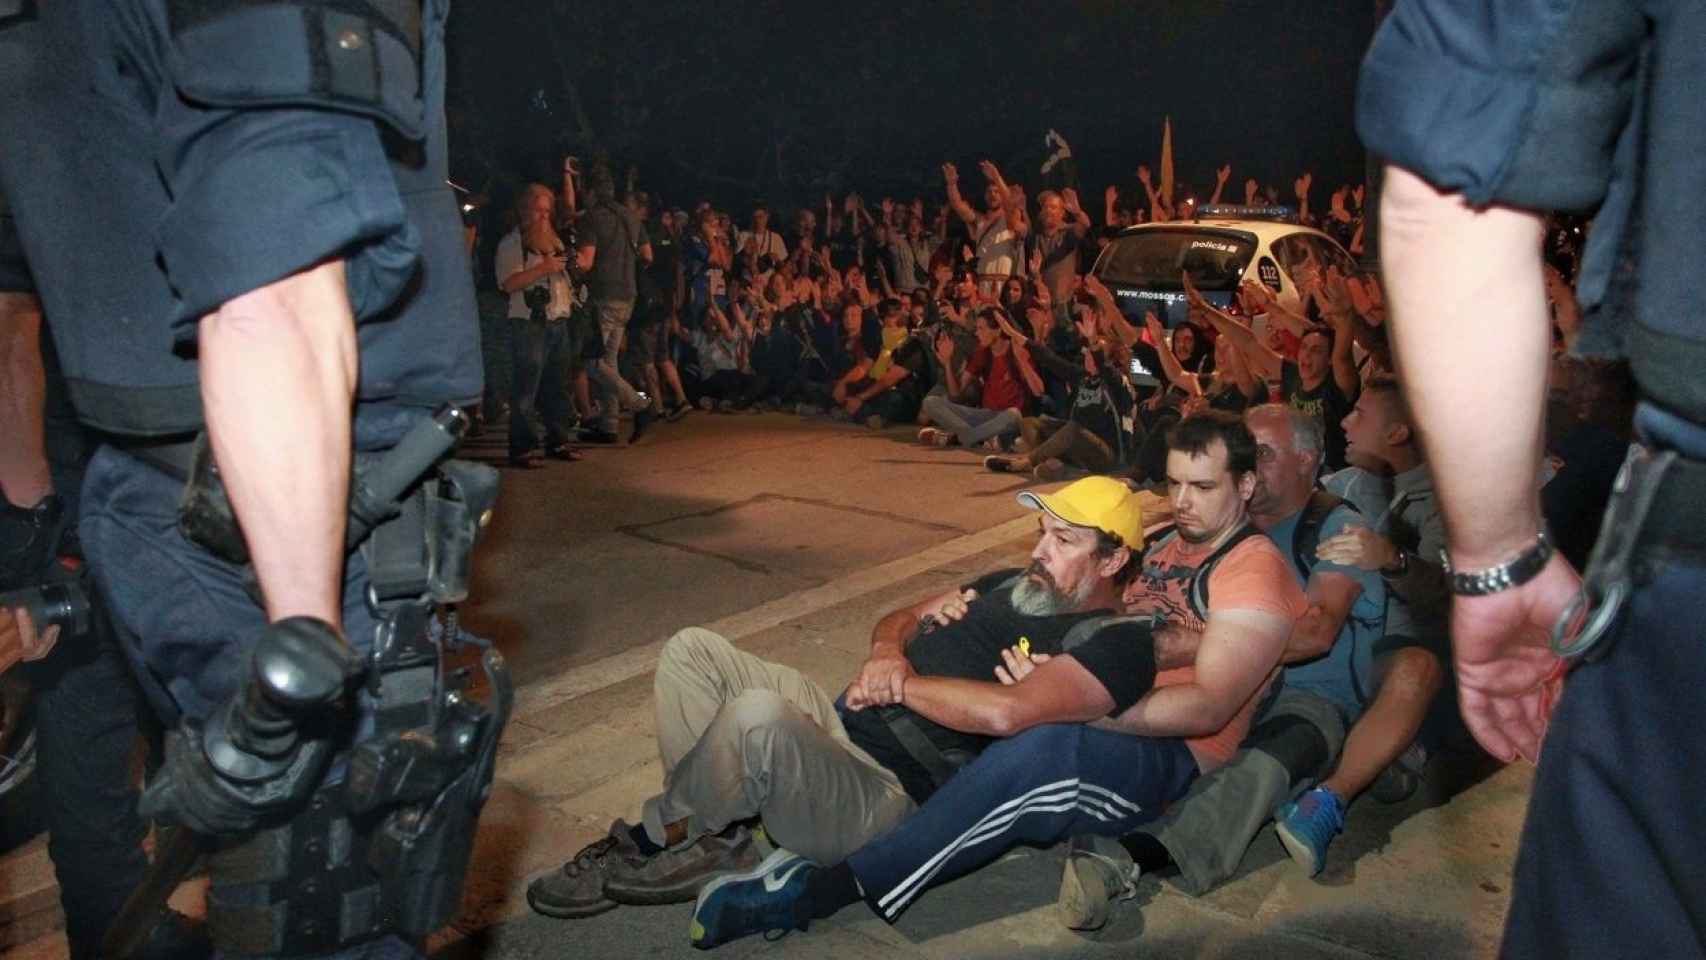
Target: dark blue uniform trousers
<point>1611,856</point>
<point>1040,787</point>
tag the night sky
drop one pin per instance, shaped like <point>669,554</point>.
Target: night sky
<point>785,100</point>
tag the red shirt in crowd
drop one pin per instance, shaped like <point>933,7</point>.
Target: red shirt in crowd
<point>1003,386</point>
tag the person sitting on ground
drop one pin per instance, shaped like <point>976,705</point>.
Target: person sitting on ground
<point>1009,380</point>
<point>723,384</point>
<point>1403,544</point>
<point>1065,779</point>
<point>888,384</point>
<point>1296,737</point>
<point>1093,436</point>
<point>743,738</point>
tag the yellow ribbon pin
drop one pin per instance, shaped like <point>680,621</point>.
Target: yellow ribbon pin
<point>1025,646</point>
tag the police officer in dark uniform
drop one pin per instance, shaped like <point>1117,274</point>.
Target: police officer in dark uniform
<point>240,229</point>
<point>1490,114</point>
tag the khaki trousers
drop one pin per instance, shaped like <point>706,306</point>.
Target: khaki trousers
<point>743,737</point>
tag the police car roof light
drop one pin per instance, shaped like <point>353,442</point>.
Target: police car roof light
<point>1234,211</point>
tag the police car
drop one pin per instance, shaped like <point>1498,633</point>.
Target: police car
<point>1221,247</point>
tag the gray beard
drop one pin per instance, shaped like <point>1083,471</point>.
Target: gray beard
<point>1033,598</point>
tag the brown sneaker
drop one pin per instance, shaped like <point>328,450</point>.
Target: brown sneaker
<point>577,888</point>
<point>675,875</point>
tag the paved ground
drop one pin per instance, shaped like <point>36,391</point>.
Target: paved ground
<point>792,538</point>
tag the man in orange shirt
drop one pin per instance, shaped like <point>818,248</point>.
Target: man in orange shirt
<point>1234,598</point>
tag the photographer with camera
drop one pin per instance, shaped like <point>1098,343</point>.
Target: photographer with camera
<point>760,249</point>
<point>532,266</point>
<point>59,647</point>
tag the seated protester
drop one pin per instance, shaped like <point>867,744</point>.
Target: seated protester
<point>775,356</point>
<point>1002,364</point>
<point>1166,405</point>
<point>1296,737</point>
<point>724,384</point>
<point>1068,778</point>
<point>1055,350</point>
<point>824,353</point>
<point>742,738</point>
<point>888,381</point>
<point>1093,436</point>
<point>1403,544</point>
<point>1322,382</point>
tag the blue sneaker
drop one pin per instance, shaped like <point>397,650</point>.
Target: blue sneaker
<point>1308,824</point>
<point>770,896</point>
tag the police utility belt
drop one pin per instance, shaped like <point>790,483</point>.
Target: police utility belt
<point>383,850</point>
<point>1657,511</point>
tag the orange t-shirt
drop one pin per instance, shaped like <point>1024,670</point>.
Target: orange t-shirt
<point>1253,576</point>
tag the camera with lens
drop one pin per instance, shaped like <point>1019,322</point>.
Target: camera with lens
<point>63,603</point>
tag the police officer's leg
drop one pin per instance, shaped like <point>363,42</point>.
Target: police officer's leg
<point>86,724</point>
<point>527,361</point>
<point>1612,846</point>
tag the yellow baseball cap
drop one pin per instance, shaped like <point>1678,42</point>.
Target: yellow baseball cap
<point>1101,503</point>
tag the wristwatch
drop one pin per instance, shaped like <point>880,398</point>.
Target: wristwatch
<point>1399,566</point>
<point>1514,572</point>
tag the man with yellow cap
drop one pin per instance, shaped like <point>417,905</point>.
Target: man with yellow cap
<point>1066,776</point>
<point>743,739</point>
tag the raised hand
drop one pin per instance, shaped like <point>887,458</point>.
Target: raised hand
<point>950,173</point>
<point>1251,189</point>
<point>1301,184</point>
<point>1111,195</point>
<point>1272,192</point>
<point>944,348</point>
<point>1143,175</point>
<point>1035,262</point>
<point>1069,197</point>
<point>1223,174</point>
<point>991,172</point>
<point>1356,194</point>
<point>1152,323</point>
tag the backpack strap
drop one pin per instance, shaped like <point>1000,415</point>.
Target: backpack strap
<point>1198,593</point>
<point>1084,629</point>
<point>1308,534</point>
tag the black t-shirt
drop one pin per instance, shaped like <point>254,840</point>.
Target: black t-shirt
<point>1121,655</point>
<point>1326,402</point>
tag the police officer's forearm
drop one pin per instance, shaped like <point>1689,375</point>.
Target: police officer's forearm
<point>1472,341</point>
<point>24,476</point>
<point>278,369</point>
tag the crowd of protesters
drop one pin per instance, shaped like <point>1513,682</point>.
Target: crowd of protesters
<point>981,325</point>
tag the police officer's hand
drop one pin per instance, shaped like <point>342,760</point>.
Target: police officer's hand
<point>190,792</point>
<point>1508,678</point>
<point>19,639</point>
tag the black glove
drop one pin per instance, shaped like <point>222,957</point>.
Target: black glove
<point>189,791</point>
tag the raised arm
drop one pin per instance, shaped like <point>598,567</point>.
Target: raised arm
<point>1335,301</point>
<point>1176,375</point>
<point>1220,178</point>
<point>957,203</point>
<point>1262,361</point>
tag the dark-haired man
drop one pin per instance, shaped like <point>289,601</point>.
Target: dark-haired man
<point>1298,734</point>
<point>743,738</point>
<point>1069,779</point>
<point>612,244</point>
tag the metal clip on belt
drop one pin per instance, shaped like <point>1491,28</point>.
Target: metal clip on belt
<point>1606,583</point>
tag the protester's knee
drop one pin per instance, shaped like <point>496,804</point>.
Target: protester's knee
<point>691,646</point>
<point>1412,675</point>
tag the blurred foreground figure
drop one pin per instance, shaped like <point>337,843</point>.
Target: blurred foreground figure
<point>238,273</point>
<point>1486,120</point>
